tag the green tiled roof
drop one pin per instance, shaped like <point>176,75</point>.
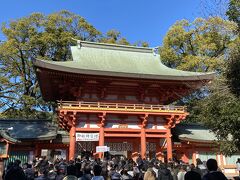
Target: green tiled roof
<point>62,137</point>
<point>29,129</point>
<point>119,61</point>
<point>194,132</point>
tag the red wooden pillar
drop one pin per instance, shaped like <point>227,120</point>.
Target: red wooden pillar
<point>72,143</point>
<point>72,136</point>
<point>101,136</point>
<point>184,156</point>
<point>101,140</point>
<point>221,160</point>
<point>143,135</point>
<point>101,131</point>
<point>143,143</point>
<point>169,144</point>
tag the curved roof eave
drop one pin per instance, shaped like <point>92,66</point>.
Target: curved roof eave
<point>68,67</point>
<point>197,140</point>
<point>8,138</point>
<point>40,138</point>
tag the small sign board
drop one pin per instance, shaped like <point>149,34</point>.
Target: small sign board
<point>123,126</point>
<point>44,152</point>
<point>87,136</point>
<point>102,149</point>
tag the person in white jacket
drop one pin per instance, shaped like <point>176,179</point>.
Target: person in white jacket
<point>181,173</point>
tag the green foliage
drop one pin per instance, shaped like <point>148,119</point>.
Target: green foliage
<point>233,70</point>
<point>114,37</point>
<point>220,112</point>
<point>233,12</point>
<point>198,46</point>
<point>47,37</point>
<point>141,44</point>
<point>206,45</point>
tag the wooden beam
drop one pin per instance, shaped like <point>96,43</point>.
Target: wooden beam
<point>87,129</point>
<point>121,130</point>
<point>155,136</point>
<point>156,130</point>
<point>121,135</point>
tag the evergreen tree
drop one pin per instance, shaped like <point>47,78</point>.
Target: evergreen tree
<point>35,36</point>
<point>208,45</point>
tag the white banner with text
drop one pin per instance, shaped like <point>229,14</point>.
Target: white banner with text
<point>87,136</point>
<point>102,149</point>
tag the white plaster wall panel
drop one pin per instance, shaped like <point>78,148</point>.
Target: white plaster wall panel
<point>115,126</point>
<point>133,126</point>
<point>93,125</point>
<point>160,127</point>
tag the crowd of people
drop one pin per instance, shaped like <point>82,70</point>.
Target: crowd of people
<point>116,168</point>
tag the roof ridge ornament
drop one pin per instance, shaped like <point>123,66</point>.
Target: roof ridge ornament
<point>78,42</point>
<point>155,50</point>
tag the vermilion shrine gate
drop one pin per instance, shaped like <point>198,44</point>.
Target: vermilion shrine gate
<point>123,93</point>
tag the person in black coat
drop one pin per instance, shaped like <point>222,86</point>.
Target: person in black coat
<point>213,174</point>
<point>164,173</point>
<point>192,175</point>
<point>15,172</point>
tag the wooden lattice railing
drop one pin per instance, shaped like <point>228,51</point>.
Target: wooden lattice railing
<point>103,106</point>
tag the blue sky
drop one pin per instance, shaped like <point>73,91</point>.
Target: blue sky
<point>147,20</point>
